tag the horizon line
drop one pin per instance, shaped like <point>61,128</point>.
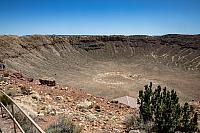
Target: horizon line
<point>98,34</point>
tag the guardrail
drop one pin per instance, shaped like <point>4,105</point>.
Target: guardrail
<point>20,119</point>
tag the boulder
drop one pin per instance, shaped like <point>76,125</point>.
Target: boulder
<point>47,81</point>
<point>85,105</point>
<point>91,117</point>
<point>50,110</point>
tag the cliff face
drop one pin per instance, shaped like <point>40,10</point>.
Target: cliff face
<point>101,63</point>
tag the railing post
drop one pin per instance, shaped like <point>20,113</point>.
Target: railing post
<point>1,111</point>
<point>13,113</point>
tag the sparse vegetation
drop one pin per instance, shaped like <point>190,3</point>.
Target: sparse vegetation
<point>161,108</point>
<point>63,125</point>
<point>25,90</point>
<point>11,92</point>
<point>5,100</point>
<point>23,121</point>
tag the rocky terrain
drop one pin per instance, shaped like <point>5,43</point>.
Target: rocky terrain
<point>47,104</point>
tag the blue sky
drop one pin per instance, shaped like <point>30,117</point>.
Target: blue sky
<point>97,17</point>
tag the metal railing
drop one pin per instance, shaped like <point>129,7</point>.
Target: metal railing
<point>20,119</point>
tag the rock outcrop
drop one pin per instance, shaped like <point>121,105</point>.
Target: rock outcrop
<point>47,81</point>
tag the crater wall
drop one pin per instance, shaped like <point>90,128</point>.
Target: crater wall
<point>109,66</point>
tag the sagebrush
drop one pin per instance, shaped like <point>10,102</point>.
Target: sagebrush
<point>63,125</point>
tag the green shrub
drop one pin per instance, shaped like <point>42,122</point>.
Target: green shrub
<point>5,100</point>
<point>145,103</point>
<point>162,108</point>
<point>63,125</point>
